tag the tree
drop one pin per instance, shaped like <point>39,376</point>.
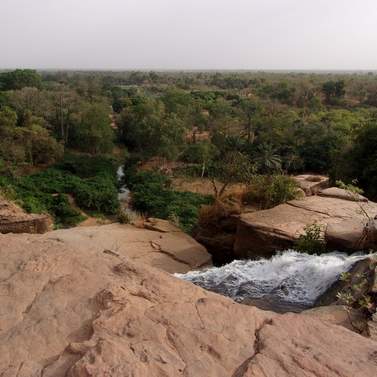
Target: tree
<point>65,107</point>
<point>248,109</point>
<point>333,91</point>
<point>20,78</point>
<point>92,132</point>
<point>361,159</point>
<point>8,121</point>
<point>202,153</point>
<point>147,128</point>
<point>234,167</point>
<point>31,143</point>
<point>267,160</point>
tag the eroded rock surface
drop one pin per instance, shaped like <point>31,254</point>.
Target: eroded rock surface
<point>171,250</point>
<point>263,232</point>
<point>13,219</point>
<point>79,312</point>
<point>336,192</point>
<point>312,184</point>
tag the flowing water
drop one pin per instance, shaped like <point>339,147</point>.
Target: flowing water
<point>289,281</point>
<point>124,192</point>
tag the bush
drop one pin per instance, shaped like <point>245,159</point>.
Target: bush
<point>152,195</point>
<point>211,216</point>
<point>270,191</point>
<point>47,192</point>
<point>311,241</point>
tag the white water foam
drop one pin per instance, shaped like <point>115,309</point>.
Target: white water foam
<point>124,192</point>
<point>289,276</point>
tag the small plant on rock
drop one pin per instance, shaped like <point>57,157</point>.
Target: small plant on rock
<point>356,296</point>
<point>311,241</point>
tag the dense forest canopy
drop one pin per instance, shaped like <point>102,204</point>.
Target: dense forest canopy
<point>275,122</point>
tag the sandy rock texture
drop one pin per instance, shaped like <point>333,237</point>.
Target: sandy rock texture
<point>13,219</point>
<point>77,311</point>
<point>312,184</point>
<point>165,247</point>
<point>342,220</point>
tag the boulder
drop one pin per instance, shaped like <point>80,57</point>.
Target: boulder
<point>336,192</point>
<point>85,312</point>
<point>264,232</point>
<point>312,184</point>
<point>13,219</point>
<point>359,283</point>
<point>361,275</point>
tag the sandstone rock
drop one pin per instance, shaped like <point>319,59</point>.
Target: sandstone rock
<point>351,319</point>
<point>312,184</point>
<point>13,219</point>
<point>361,274</point>
<point>172,252</point>
<point>336,192</point>
<point>262,233</point>
<point>220,245</point>
<point>159,225</point>
<point>372,327</point>
<point>82,312</point>
<point>374,285</point>
<point>217,228</point>
<point>354,234</point>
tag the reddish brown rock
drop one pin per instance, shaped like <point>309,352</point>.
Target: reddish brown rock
<point>173,251</point>
<point>336,192</point>
<point>262,233</point>
<point>349,318</point>
<point>312,184</point>
<point>352,234</point>
<point>85,312</point>
<point>13,219</point>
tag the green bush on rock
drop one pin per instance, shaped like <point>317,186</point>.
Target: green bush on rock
<point>271,190</point>
<point>311,242</point>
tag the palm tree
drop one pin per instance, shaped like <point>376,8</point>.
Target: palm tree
<point>267,160</point>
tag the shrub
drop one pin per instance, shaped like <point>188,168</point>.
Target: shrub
<point>152,195</point>
<point>210,216</point>
<point>311,241</point>
<point>269,191</point>
<point>46,192</point>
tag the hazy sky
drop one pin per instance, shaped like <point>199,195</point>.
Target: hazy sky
<point>189,34</point>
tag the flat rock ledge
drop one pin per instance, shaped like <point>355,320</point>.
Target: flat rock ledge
<point>83,311</point>
<point>341,219</point>
<point>13,219</point>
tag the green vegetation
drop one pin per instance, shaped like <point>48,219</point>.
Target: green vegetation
<point>311,241</point>
<point>20,78</point>
<point>228,127</point>
<point>270,191</point>
<point>152,195</point>
<point>89,181</point>
<point>92,132</point>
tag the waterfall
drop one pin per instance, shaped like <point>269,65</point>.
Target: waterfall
<point>289,278</point>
